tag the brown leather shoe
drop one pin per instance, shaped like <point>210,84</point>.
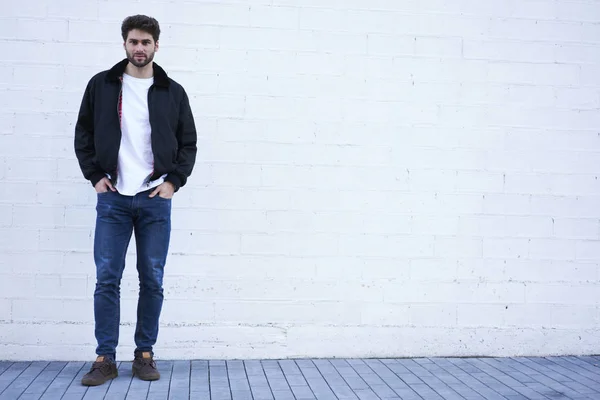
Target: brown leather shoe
<point>103,369</point>
<point>145,367</point>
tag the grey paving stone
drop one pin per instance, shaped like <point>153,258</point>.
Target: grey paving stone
<point>278,384</point>
<point>160,389</point>
<point>573,371</point>
<point>43,380</point>
<point>425,391</point>
<point>410,379</point>
<point>366,394</point>
<point>12,373</point>
<point>139,389</point>
<point>302,392</point>
<point>75,388</point>
<point>283,395</point>
<point>296,380</point>
<point>180,380</point>
<point>60,384</point>
<point>23,380</point>
<point>117,388</point>
<point>289,367</point>
<point>343,392</point>
<point>357,383</point>
<point>241,395</point>
<point>4,365</point>
<point>165,396</point>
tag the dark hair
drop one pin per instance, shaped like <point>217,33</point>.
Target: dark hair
<point>141,22</point>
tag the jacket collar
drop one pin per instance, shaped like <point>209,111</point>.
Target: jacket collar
<point>116,72</point>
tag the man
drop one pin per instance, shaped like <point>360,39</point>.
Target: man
<point>135,141</point>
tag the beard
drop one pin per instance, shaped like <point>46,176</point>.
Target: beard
<point>140,64</point>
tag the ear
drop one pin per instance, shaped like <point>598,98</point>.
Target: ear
<point>156,46</point>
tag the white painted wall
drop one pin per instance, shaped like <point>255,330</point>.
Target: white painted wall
<point>374,178</point>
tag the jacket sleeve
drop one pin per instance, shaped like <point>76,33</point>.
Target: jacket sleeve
<point>84,138</point>
<point>186,145</point>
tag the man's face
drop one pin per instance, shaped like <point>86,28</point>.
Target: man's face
<point>140,48</point>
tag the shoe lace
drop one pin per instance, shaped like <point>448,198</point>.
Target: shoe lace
<point>148,361</point>
<point>103,367</point>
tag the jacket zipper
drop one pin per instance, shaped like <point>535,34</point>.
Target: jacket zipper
<point>151,139</point>
<point>119,114</point>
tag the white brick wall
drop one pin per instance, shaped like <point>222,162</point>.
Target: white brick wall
<point>375,178</point>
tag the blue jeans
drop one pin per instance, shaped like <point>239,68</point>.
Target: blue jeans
<point>117,217</point>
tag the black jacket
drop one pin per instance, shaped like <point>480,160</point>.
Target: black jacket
<point>98,128</point>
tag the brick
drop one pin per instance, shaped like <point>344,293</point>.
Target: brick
<point>55,310</point>
<point>70,9</point>
<point>194,242</point>
<point>539,30</point>
<point>386,246</point>
<point>40,29</point>
<point>322,19</point>
<point>453,247</point>
<point>587,250</point>
<point>5,310</point>
<point>546,271</point>
<point>552,249</point>
<point>540,74</point>
<point>263,38</point>
<point>583,98</point>
<point>433,180</point>
<point>265,244</point>
<point>39,216</point>
<point>274,17</point>
<point>478,315</point>
<point>565,206</point>
<point>317,244</point>
<point>50,125</point>
<point>220,221</point>
<point>31,263</point>
<point>578,12</point>
<point>67,239</point>
<point>482,225</point>
<point>388,314</point>
<point>505,248</point>
<point>6,216</point>
<point>576,317</point>
<point>424,314</point>
<point>576,228</point>
<point>534,315</point>
<point>438,47</point>
<point>61,286</point>
<point>79,217</point>
<point>21,169</point>
<point>94,31</point>
<point>25,10</point>
<point>236,197</point>
<point>17,286</point>
<point>390,45</point>
<point>39,76</point>
<point>560,294</point>
<point>501,50</point>
<point>299,221</point>
<point>19,239</point>
<point>479,182</point>
<point>436,269</point>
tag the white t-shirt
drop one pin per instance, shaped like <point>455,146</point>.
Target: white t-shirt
<point>136,161</point>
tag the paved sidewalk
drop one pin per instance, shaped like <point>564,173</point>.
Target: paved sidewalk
<point>322,379</point>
